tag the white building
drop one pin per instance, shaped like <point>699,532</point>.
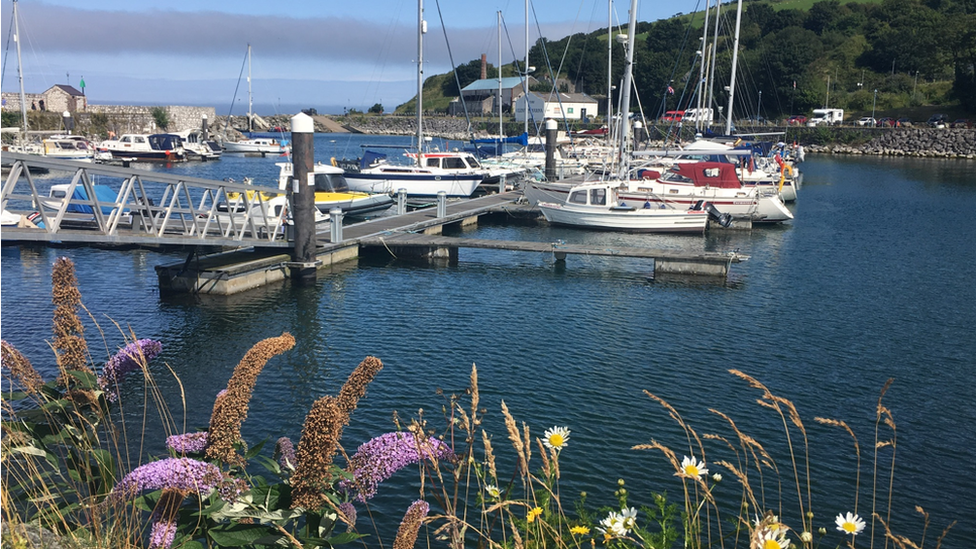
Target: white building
<point>559,106</point>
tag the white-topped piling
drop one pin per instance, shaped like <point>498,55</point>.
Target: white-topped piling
<point>302,197</point>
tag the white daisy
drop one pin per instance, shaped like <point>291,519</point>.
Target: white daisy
<point>771,538</point>
<point>557,438</point>
<point>628,519</point>
<point>850,524</point>
<point>493,491</point>
<point>692,467</point>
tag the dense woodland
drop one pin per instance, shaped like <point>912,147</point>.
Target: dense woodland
<point>885,55</point>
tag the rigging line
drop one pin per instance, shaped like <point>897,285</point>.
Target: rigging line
<point>457,79</point>
<point>545,53</point>
<point>238,87</point>
<point>674,71</point>
<point>384,48</point>
<point>6,49</point>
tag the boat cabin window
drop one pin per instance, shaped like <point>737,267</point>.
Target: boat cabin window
<point>578,197</point>
<point>125,139</point>
<point>433,162</point>
<point>675,177</point>
<point>598,197</point>
<point>330,183</point>
<point>58,194</point>
<point>139,139</point>
<point>454,163</point>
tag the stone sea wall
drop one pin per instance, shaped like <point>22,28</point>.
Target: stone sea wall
<point>139,119</point>
<point>920,142</point>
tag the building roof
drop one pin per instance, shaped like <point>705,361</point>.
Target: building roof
<point>565,97</point>
<point>489,84</point>
<point>70,90</point>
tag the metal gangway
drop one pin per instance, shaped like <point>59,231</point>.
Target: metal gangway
<point>87,203</point>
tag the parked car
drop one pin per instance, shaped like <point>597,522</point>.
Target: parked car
<point>797,120</point>
<point>887,122</point>
<point>938,121</point>
<point>962,123</point>
<point>867,121</point>
<point>905,122</point>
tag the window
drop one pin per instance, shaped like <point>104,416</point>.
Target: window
<point>578,197</point>
<point>598,197</point>
<point>433,162</point>
<point>454,164</point>
<point>569,110</point>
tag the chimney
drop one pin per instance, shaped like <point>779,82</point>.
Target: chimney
<point>484,66</point>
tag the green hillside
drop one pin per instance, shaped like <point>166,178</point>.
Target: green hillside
<point>881,56</point>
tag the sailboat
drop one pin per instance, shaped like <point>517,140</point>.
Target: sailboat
<point>260,145</point>
<point>457,174</point>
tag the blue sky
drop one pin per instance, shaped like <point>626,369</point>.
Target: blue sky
<point>326,54</point>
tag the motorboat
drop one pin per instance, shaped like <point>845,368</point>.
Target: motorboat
<point>71,204</point>
<point>60,147</point>
<point>197,147</point>
<point>598,206</point>
<point>255,213</point>
<point>457,174</point>
<point>332,191</point>
<point>160,147</point>
<point>257,146</point>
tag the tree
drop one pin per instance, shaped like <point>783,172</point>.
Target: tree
<point>462,76</point>
<point>376,109</point>
<point>161,117</point>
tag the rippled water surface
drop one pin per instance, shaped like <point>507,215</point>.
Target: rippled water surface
<point>871,281</point>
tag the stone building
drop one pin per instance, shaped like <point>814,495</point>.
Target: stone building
<point>57,98</point>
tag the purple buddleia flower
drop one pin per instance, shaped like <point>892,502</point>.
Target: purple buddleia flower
<point>285,451</point>
<point>349,510</point>
<point>381,457</point>
<point>186,475</point>
<point>162,534</point>
<point>188,443</point>
<point>127,360</point>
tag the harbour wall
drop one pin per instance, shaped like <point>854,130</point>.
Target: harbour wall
<point>139,119</point>
<point>918,142</point>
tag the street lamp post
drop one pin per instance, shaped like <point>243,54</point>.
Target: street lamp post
<point>874,103</point>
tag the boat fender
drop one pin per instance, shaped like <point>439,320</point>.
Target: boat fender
<point>36,219</point>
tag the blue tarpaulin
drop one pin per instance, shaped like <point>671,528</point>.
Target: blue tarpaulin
<point>103,193</point>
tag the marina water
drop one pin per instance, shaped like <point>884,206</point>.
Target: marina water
<point>871,281</point>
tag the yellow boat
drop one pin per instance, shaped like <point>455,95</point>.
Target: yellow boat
<point>332,191</point>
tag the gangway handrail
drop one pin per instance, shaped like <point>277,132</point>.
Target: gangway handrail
<point>226,210</point>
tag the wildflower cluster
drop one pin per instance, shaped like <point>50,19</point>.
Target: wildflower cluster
<point>619,524</point>
<point>129,359</point>
<point>189,443</point>
<point>381,457</point>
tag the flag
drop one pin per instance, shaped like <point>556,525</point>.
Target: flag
<point>670,90</point>
<point>82,82</point>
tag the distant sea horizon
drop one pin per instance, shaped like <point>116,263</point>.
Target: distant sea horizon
<point>260,109</point>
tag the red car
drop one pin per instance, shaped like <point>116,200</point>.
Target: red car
<point>797,120</point>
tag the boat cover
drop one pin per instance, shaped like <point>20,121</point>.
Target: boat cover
<point>103,193</point>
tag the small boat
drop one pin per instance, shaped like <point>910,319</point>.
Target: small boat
<point>259,214</point>
<point>332,191</point>
<point>598,206</point>
<point>456,174</point>
<point>258,146</point>
<point>160,147</point>
<point>61,147</point>
<point>198,148</point>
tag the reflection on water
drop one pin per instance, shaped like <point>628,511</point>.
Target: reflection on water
<point>868,282</point>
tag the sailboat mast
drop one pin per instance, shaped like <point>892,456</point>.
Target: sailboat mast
<point>711,75</point>
<point>421,29</point>
<point>609,69</point>
<point>501,130</point>
<point>735,59</point>
<point>625,92</point>
<point>250,97</point>
<point>702,59</point>
<point>20,76</point>
<point>526,75</point>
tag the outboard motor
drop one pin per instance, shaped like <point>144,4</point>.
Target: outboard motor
<point>723,219</point>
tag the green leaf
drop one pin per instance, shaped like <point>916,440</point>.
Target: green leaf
<point>30,450</point>
<point>346,537</point>
<point>269,464</point>
<point>256,450</point>
<point>239,534</point>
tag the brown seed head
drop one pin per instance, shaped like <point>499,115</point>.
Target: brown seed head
<point>320,440</point>
<point>20,368</point>
<point>355,387</point>
<point>230,410</point>
<point>69,333</point>
<point>406,536</point>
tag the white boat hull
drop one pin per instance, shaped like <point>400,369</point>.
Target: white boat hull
<point>416,184</point>
<point>625,219</point>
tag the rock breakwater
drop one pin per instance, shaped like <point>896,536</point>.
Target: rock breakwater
<point>919,142</point>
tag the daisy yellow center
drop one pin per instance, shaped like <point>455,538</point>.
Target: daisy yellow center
<point>849,527</point>
<point>692,470</point>
<point>556,439</point>
<point>771,544</point>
